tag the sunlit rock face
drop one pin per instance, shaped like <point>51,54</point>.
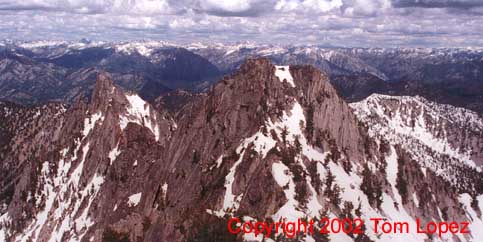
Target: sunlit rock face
<point>265,143</point>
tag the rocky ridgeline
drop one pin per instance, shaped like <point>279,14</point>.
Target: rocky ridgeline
<point>266,142</point>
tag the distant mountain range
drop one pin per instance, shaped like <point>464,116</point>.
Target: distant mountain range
<point>42,71</point>
<point>31,74</point>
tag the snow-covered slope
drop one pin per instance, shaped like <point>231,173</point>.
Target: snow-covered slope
<point>443,142</point>
<point>60,206</point>
<point>332,186</point>
<point>267,143</point>
<point>387,184</point>
<point>428,130</point>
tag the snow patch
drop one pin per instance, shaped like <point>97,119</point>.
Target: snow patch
<point>283,73</point>
<point>290,209</point>
<point>262,144</point>
<point>291,121</point>
<point>164,188</point>
<point>415,199</point>
<point>90,122</point>
<point>219,214</point>
<point>476,222</point>
<point>134,199</point>
<point>113,154</point>
<point>411,121</point>
<point>69,216</point>
<point>140,112</point>
<point>280,174</point>
<point>232,202</point>
<point>219,161</point>
<point>33,230</point>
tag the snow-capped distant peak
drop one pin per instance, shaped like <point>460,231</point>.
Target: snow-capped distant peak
<point>144,48</point>
<point>76,45</point>
<point>41,44</point>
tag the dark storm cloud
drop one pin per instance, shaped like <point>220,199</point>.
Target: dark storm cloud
<point>51,7</point>
<point>252,12</point>
<point>245,8</point>
<point>462,4</point>
<point>9,7</point>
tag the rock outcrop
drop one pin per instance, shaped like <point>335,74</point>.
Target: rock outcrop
<point>265,143</point>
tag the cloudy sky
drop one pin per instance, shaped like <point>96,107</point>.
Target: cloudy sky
<point>373,23</point>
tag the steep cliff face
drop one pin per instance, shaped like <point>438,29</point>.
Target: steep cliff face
<point>20,127</point>
<point>222,155</point>
<point>267,142</point>
<point>64,160</point>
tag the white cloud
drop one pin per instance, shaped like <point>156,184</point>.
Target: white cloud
<point>338,22</point>
<point>287,5</point>
<point>322,5</point>
<point>229,6</point>
<point>148,6</point>
<point>318,6</point>
<point>183,23</point>
<point>365,7</point>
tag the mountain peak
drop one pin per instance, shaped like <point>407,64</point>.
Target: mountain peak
<point>268,142</point>
<point>104,91</point>
<point>103,82</point>
<point>254,62</point>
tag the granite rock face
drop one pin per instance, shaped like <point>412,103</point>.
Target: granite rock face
<point>265,143</point>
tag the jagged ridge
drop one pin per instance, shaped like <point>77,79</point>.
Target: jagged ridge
<point>266,142</point>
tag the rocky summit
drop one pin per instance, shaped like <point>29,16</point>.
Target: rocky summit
<point>265,143</point>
